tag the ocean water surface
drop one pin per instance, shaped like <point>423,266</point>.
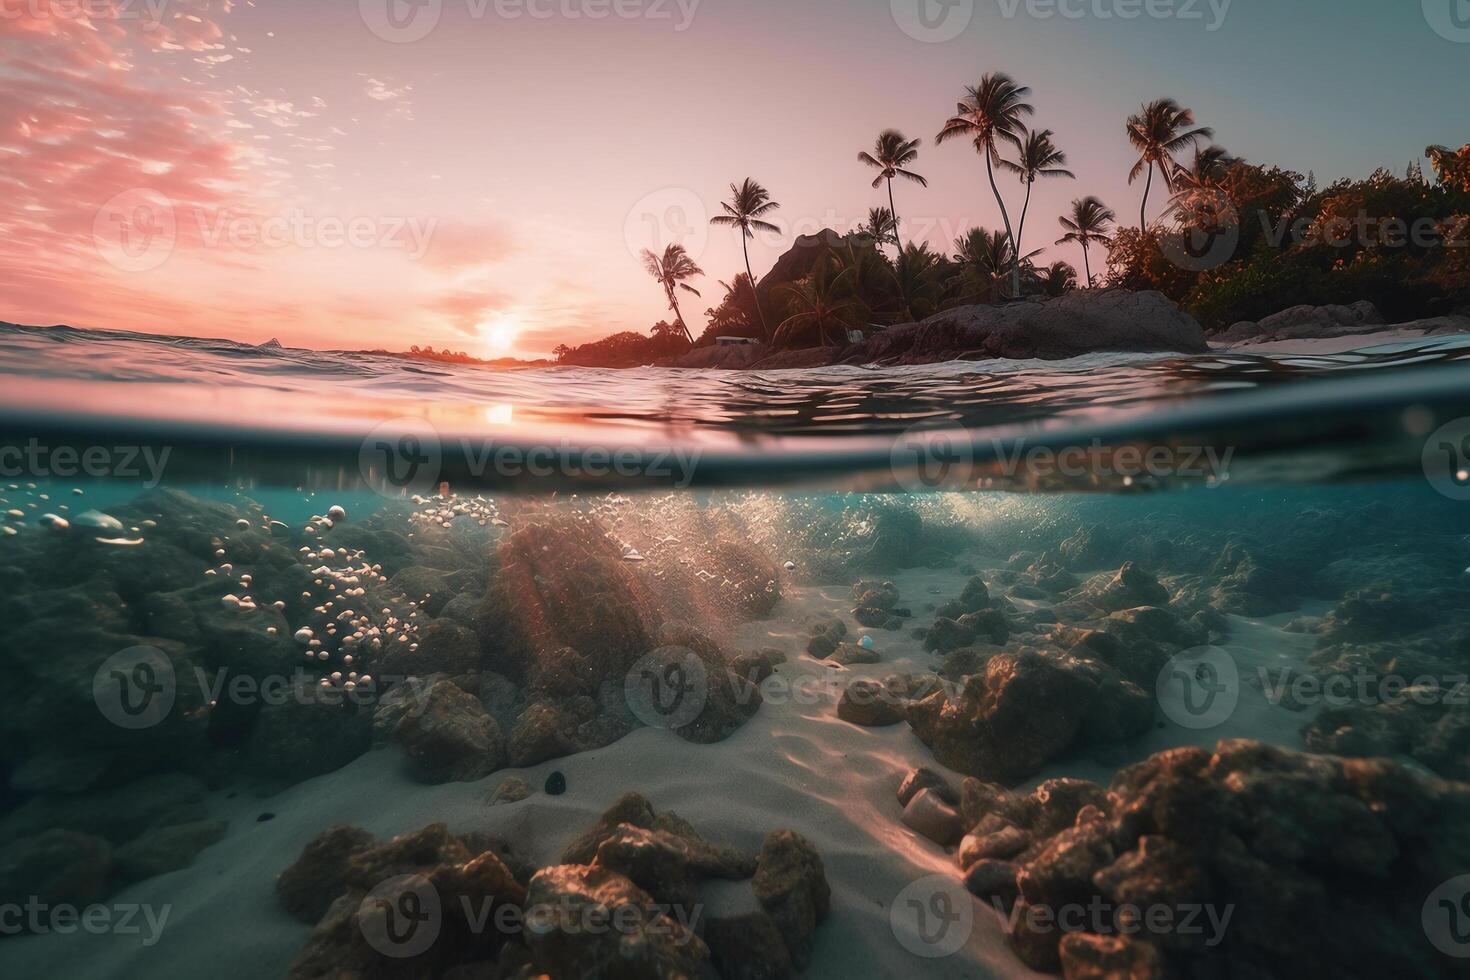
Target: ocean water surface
<point>1124,663</point>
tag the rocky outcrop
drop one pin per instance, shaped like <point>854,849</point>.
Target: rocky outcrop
<point>791,885</point>
<point>1286,864</point>
<point>450,737</point>
<point>1024,708</point>
<point>1304,323</point>
<point>1076,323</point>
<point>622,903</point>
<point>1330,322</point>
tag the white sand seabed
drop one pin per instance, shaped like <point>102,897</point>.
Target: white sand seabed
<point>794,765</point>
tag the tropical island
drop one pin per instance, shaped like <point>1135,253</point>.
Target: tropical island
<point>1239,243</point>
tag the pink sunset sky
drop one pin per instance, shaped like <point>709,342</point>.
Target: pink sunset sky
<point>480,174</point>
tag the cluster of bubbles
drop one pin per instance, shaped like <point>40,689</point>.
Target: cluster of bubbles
<point>442,511</point>
<point>347,630</point>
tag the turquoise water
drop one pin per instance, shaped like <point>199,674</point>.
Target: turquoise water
<point>251,594</point>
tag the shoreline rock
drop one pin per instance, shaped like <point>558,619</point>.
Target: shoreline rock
<point>1080,322</point>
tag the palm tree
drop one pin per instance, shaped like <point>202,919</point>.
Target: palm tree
<point>671,269</point>
<point>737,310</point>
<point>1206,170</point>
<point>1159,132</point>
<point>992,111</point>
<point>891,154</point>
<point>1038,157</point>
<point>882,228</point>
<point>1057,278</point>
<point>916,282</point>
<point>749,201</point>
<point>1089,223</point>
<point>820,301</point>
<point>984,258</point>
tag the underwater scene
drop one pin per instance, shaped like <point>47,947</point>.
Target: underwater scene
<point>1161,674</point>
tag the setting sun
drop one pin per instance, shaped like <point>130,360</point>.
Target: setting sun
<point>499,333</point>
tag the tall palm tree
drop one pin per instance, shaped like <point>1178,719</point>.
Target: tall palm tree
<point>671,269</point>
<point>748,203</point>
<point>892,153</point>
<point>1088,223</point>
<point>1037,157</point>
<point>992,111</point>
<point>882,228</point>
<point>1160,131</point>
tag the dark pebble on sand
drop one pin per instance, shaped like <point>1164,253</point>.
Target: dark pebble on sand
<point>556,784</point>
<point>264,817</point>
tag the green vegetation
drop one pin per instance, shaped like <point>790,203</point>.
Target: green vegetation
<point>1235,241</point>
